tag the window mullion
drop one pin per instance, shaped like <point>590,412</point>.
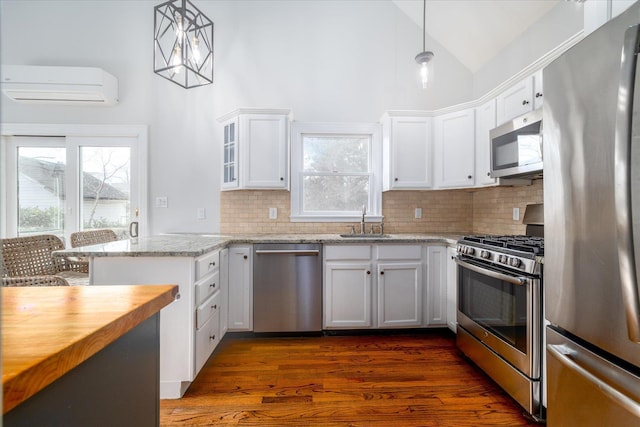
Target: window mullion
<point>73,192</point>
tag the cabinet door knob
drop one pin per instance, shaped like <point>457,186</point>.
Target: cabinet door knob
<point>538,95</point>
<point>368,272</point>
<point>468,176</point>
<point>488,173</point>
<point>245,257</point>
<point>382,273</point>
<point>395,179</point>
<point>525,102</point>
<point>215,306</point>
<point>281,178</point>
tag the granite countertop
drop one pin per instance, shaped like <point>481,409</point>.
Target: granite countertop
<point>193,245</point>
<point>41,342</point>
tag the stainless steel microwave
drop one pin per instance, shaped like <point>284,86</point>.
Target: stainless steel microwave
<point>516,147</point>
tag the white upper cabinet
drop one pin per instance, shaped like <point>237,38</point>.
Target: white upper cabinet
<point>454,140</point>
<point>256,149</point>
<point>537,90</point>
<point>515,101</point>
<point>407,152</point>
<point>485,121</point>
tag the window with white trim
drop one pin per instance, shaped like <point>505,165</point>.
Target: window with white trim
<point>336,172</point>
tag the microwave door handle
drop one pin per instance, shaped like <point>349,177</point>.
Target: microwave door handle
<point>496,275</point>
<point>627,180</point>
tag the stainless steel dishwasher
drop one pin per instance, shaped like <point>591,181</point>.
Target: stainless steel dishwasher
<point>287,287</point>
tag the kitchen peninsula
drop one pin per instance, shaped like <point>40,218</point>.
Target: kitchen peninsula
<point>81,355</point>
<point>214,275</point>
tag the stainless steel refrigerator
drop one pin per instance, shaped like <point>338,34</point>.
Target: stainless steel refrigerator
<point>591,135</point>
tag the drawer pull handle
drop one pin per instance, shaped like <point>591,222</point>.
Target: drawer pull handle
<point>213,285</point>
<point>212,337</point>
<point>212,264</point>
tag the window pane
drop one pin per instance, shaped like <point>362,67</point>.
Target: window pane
<point>41,179</point>
<point>345,154</point>
<point>335,193</point>
<point>105,187</point>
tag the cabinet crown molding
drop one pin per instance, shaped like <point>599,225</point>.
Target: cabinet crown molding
<point>240,111</point>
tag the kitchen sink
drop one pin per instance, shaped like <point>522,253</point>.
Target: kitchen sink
<point>366,236</point>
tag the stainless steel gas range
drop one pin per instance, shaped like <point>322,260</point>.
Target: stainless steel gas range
<point>500,312</point>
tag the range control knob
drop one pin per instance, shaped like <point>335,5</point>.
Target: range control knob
<point>515,262</point>
<point>470,251</point>
<point>503,259</point>
<point>485,254</point>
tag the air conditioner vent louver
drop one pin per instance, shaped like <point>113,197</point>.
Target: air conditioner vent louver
<point>59,85</point>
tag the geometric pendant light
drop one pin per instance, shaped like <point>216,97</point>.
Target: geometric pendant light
<point>183,44</point>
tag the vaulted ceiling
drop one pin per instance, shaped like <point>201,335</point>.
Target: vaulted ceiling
<point>475,31</point>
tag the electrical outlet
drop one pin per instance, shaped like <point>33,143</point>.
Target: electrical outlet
<point>418,213</point>
<point>161,202</point>
<point>273,213</point>
<point>516,214</point>
<point>201,213</point>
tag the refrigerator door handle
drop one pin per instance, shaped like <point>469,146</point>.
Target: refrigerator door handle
<point>597,373</point>
<point>627,180</point>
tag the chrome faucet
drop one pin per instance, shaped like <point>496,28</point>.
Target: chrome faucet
<point>364,212</point>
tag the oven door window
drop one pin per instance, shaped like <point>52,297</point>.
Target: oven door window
<point>496,305</point>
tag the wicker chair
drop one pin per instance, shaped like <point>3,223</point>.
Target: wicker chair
<point>34,281</point>
<point>92,237</point>
<point>32,256</point>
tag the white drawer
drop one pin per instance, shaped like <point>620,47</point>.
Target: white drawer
<point>402,252</point>
<point>207,338</point>
<point>207,263</point>
<point>207,286</point>
<point>207,309</point>
<point>347,252</point>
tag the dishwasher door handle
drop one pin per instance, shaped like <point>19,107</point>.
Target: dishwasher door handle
<point>287,252</point>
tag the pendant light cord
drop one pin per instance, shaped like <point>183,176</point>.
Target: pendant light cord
<point>424,27</point>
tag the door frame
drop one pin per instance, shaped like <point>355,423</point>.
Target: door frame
<point>139,132</point>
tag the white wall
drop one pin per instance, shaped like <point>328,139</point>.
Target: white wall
<point>326,60</point>
<point>558,25</point>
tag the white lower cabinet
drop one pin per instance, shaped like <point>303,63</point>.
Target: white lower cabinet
<point>452,289</point>
<point>240,288</point>
<point>374,286</point>
<point>347,295</point>
<point>436,310</point>
<point>189,326</point>
<point>224,291</point>
<point>208,333</point>
<point>399,294</point>
<point>347,287</point>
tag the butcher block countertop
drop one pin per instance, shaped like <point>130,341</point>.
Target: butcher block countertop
<point>48,331</point>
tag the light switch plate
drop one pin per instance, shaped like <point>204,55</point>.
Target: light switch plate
<point>161,202</point>
<point>516,214</point>
<point>418,213</point>
<point>201,213</point>
<point>273,213</point>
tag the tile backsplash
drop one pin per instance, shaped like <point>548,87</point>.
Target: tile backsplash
<point>483,210</point>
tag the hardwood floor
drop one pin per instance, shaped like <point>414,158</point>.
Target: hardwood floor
<point>398,380</point>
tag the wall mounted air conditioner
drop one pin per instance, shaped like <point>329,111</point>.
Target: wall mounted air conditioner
<point>59,85</point>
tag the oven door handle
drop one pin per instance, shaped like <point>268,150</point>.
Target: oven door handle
<point>520,281</point>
